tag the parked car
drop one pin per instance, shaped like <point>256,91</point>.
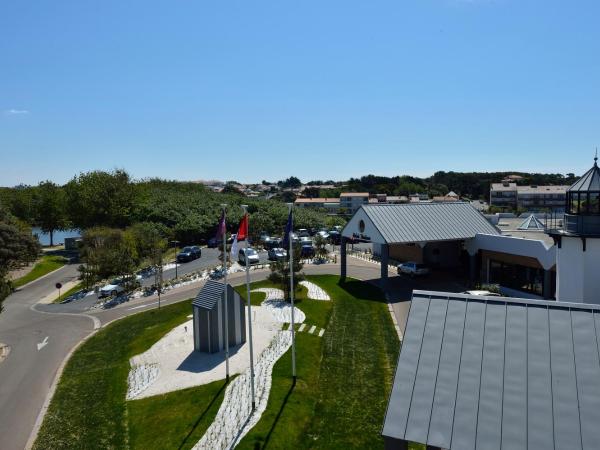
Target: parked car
<point>305,240</point>
<point>413,269</point>
<point>483,293</point>
<point>324,234</point>
<point>197,251</point>
<point>277,254</point>
<point>117,286</point>
<point>214,243</point>
<point>335,237</point>
<point>273,242</point>
<point>114,288</point>
<point>187,254</point>
<point>252,256</point>
<point>303,232</point>
<point>307,251</point>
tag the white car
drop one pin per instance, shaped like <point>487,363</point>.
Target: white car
<point>483,293</point>
<point>115,287</point>
<point>323,234</point>
<point>253,257</point>
<point>412,269</point>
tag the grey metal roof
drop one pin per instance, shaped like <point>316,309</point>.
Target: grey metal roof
<point>209,294</point>
<point>589,181</point>
<point>421,222</point>
<point>490,372</point>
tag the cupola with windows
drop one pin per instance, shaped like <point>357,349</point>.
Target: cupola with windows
<point>583,204</point>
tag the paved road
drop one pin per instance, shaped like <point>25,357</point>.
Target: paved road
<point>28,372</point>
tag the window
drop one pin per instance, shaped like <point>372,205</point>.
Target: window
<point>518,277</point>
<point>594,203</point>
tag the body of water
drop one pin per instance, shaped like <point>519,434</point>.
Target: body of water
<point>59,236</point>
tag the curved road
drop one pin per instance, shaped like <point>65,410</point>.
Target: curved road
<point>41,340</point>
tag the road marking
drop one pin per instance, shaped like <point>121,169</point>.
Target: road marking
<point>143,306</point>
<point>312,329</point>
<point>42,344</point>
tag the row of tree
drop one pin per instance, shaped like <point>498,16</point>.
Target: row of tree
<point>186,212</point>
<point>474,185</point>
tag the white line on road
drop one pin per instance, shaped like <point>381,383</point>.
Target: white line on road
<point>42,344</point>
<point>143,306</point>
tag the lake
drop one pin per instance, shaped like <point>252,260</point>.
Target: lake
<point>59,236</point>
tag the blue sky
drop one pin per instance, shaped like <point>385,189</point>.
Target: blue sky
<point>318,89</point>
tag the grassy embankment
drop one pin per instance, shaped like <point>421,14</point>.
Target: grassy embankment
<point>339,400</point>
<point>89,409</point>
<point>46,264</point>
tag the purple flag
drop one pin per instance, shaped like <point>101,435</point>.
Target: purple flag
<point>221,230</point>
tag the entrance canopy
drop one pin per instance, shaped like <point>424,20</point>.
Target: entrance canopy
<point>417,222</point>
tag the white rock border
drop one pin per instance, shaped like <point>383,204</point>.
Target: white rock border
<point>315,292</point>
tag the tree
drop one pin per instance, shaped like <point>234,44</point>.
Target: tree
<point>280,272</point>
<point>50,208</point>
<point>108,252</point>
<point>17,247</point>
<point>320,246</point>
<point>100,199</point>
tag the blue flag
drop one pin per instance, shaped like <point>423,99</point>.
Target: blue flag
<point>287,233</point>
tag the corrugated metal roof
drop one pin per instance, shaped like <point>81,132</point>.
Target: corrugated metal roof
<point>422,222</point>
<point>589,181</point>
<point>490,372</point>
<point>209,294</point>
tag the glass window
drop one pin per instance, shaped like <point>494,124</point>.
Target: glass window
<point>573,201</point>
<point>594,203</point>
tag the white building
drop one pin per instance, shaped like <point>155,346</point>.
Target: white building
<point>578,244</point>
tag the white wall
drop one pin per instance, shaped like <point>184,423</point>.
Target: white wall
<point>540,250</point>
<point>353,227</point>
<point>577,274</point>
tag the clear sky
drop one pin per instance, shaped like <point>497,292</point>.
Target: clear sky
<point>252,90</point>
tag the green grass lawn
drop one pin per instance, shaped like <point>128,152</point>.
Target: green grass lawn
<point>344,378</point>
<point>317,311</point>
<point>339,400</point>
<point>89,409</point>
<point>176,420</point>
<point>47,264</point>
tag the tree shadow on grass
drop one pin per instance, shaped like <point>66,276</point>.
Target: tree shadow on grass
<point>366,290</point>
<point>202,415</point>
<point>285,400</point>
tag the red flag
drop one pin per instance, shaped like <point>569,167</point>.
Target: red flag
<point>242,233</point>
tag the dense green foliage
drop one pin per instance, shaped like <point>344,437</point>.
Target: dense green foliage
<point>473,185</point>
<point>17,247</point>
<point>182,211</point>
<point>89,409</point>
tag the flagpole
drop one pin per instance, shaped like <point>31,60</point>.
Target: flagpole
<point>245,208</point>
<point>291,243</point>
<point>224,206</point>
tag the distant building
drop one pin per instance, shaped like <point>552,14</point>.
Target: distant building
<point>449,197</point>
<point>508,195</point>
<point>332,205</point>
<point>350,202</point>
